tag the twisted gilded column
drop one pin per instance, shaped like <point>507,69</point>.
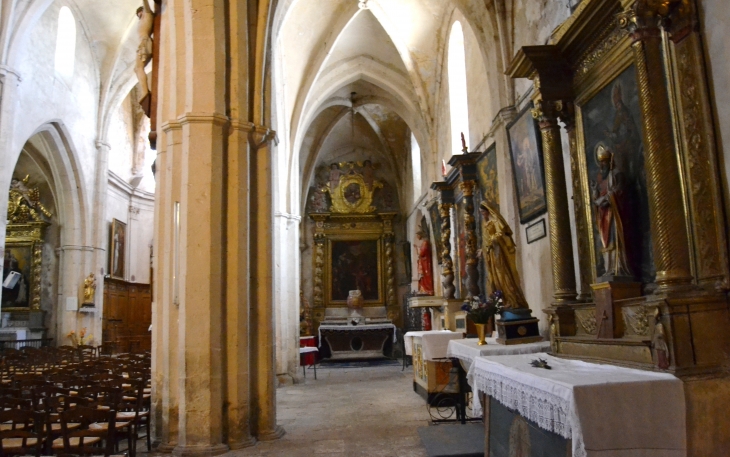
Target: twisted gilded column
<point>472,262</point>
<point>447,264</point>
<point>262,292</point>
<point>664,187</point>
<point>561,245</point>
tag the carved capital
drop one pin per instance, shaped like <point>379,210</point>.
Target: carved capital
<point>546,113</point>
<point>467,187</point>
<point>566,113</point>
<point>645,17</point>
<point>259,135</point>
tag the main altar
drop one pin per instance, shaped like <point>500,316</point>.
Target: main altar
<point>354,250</point>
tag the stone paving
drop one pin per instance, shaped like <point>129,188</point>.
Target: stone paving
<point>353,412</point>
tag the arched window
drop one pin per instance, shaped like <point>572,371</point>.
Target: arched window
<point>457,88</point>
<point>416,163</point>
<point>66,43</point>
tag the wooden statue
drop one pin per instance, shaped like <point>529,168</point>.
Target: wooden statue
<point>498,249</point>
<point>144,52</point>
<point>89,290</point>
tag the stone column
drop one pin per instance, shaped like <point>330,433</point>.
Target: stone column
<point>165,356</point>
<point>201,280</point>
<point>9,82</point>
<point>262,292</point>
<point>472,262</point>
<point>561,245</point>
<point>664,187</point>
<point>582,226</point>
<point>237,320</point>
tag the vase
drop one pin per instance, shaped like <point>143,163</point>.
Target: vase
<point>481,333</point>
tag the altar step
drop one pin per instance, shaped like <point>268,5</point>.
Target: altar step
<point>453,440</point>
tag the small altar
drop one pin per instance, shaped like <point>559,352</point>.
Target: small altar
<point>359,341</point>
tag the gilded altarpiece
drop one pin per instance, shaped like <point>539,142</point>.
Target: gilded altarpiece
<point>354,241</point>
<point>627,80</point>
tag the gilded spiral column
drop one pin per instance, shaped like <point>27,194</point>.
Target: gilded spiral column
<point>472,262</point>
<point>561,244</point>
<point>664,187</point>
<point>389,271</point>
<point>447,264</point>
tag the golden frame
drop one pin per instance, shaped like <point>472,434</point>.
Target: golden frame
<point>616,60</point>
<point>30,236</point>
<point>377,237</point>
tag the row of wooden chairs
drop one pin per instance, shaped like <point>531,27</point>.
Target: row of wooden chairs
<point>75,406</point>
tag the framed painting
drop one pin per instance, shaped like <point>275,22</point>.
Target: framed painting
<point>18,275</point>
<point>487,176</point>
<point>525,145</point>
<point>117,249</point>
<point>611,128</point>
<point>435,215</point>
<point>354,264</point>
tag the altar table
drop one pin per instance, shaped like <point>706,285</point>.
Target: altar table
<point>360,341</point>
<point>606,411</point>
<point>432,371</point>
<point>433,342</point>
<point>467,350</point>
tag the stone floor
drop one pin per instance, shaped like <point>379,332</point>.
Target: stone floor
<point>353,412</point>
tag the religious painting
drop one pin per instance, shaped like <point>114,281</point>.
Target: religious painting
<point>17,275</point>
<point>117,248</point>
<point>617,191</point>
<point>354,266</point>
<point>487,176</point>
<point>424,259</point>
<point>525,144</point>
<point>435,216</point>
<point>460,259</point>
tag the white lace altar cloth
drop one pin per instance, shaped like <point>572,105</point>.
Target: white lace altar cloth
<point>468,349</point>
<point>433,342</point>
<point>354,328</point>
<point>607,411</point>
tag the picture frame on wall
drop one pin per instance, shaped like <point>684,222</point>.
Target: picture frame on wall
<point>487,175</point>
<point>525,146</point>
<point>117,249</point>
<point>535,231</point>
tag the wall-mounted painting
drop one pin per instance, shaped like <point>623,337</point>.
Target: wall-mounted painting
<point>525,145</point>
<point>355,265</point>
<point>17,275</point>
<point>487,176</point>
<point>435,216</point>
<point>117,248</point>
<point>617,192</point>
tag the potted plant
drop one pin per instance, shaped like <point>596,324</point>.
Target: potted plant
<point>480,310</point>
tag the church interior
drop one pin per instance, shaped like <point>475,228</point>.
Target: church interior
<point>517,208</point>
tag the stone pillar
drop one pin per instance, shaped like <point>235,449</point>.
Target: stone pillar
<point>472,262</point>
<point>561,245</point>
<point>262,292</point>
<point>664,187</point>
<point>9,82</point>
<point>237,320</point>
<point>582,225</point>
<point>201,292</point>
<point>165,311</point>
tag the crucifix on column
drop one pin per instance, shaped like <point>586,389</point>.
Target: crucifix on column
<point>148,29</point>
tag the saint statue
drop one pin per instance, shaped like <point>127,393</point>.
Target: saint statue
<point>498,249</point>
<point>335,175</point>
<point>425,264</point>
<point>89,290</point>
<point>607,190</point>
<point>144,52</point>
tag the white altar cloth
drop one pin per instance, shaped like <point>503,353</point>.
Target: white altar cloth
<point>433,342</point>
<point>468,349</point>
<point>354,328</point>
<point>607,411</point>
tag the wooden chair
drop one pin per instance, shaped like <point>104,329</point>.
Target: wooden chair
<point>95,434</point>
<point>24,435</point>
<point>86,353</point>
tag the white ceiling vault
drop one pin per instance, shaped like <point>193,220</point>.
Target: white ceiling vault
<point>389,52</point>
